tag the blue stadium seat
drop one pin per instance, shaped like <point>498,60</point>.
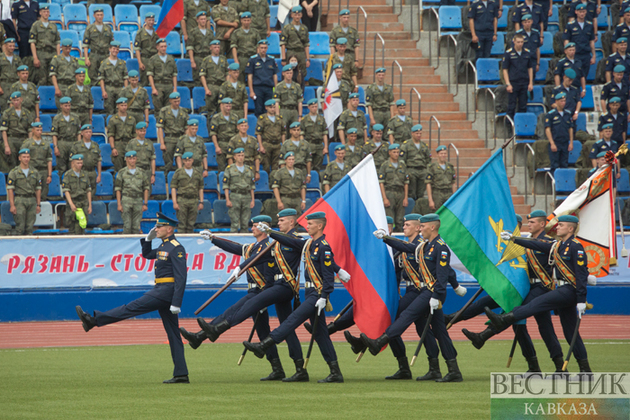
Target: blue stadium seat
<point>580,123</point>
<point>115,217</point>
<point>603,18</point>
<point>211,187</point>
<point>547,47</point>
<point>152,208</point>
<point>273,18</point>
<point>198,98</point>
<point>263,187</point>
<point>76,41</point>
<point>108,15</point>
<point>251,105</point>
<point>502,23</point>
<point>410,205</point>
<point>623,183</point>
<point>97,95</point>
<point>46,120</point>
<point>450,18</point>
<point>98,129</point>
<point>202,131</point>
<point>47,98</point>
<point>535,104</point>
<point>75,16</point>
<point>220,213</point>
<point>168,210</point>
<point>251,122</point>
<point>55,15</point>
<point>54,158</point>
<point>316,69</point>
<point>5,213</point>
<point>312,188</point>
<point>274,44</point>
<point>310,92</point>
<point>487,70</point>
<point>257,208</point>
<point>106,156</point>
<point>150,92</point>
<point>319,43</point>
<point>147,8</point>
<point>553,25</point>
<point>279,66</point>
<point>125,44</point>
<point>541,74</point>
<point>592,70</point>
<point>159,187</point>
<point>159,155</point>
<point>98,216</point>
<point>173,44</point>
<point>54,188</point>
<point>212,155</point>
<point>205,215</point>
<point>3,187</point>
<point>184,71</point>
<point>152,131</point>
<point>185,98</point>
<point>525,126</point>
<point>565,181</point>
<point>498,48</point>
<point>575,153</point>
<point>132,64</point>
<point>126,17</point>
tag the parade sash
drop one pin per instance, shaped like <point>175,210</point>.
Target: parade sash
<point>429,280</point>
<point>285,269</point>
<point>539,270</point>
<point>562,266</point>
<point>253,271</point>
<point>310,267</point>
<point>411,272</point>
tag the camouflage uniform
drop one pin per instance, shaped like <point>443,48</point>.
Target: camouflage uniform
<point>132,188</point>
<point>229,15</point>
<point>190,13</point>
<point>91,158</point>
<point>174,127</point>
<point>250,146</point>
<point>271,134</point>
<point>302,153</point>
<point>8,76</point>
<point>122,132</point>
<point>224,130</point>
<point>441,181</point>
<point>334,173</point>
<point>114,76</point>
<point>379,157</point>
<point>145,153</point>
<point>82,101</point>
<point>260,12</point>
<point>17,128</point>
<point>381,102</point>
<point>30,95</point>
<point>46,40</point>
<point>98,43</point>
<point>187,197</point>
<point>198,149</point>
<point>345,89</point>
<point>240,185</point>
<point>289,97</point>
<point>145,44</point>
<point>63,69</point>
<point>137,102</point>
<point>163,74</point>
<point>245,44</point>
<point>238,95</point>
<point>417,160</point>
<point>41,154</point>
<point>78,187</point>
<point>394,180</point>
<point>295,41</point>
<point>290,187</point>
<point>349,68</point>
<point>313,132</point>
<point>347,120</point>
<point>353,157</point>
<point>24,187</point>
<point>352,35</point>
<point>66,132</point>
<point>215,76</point>
<point>401,130</point>
<point>200,46</point>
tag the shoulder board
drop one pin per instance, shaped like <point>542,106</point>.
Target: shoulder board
<point>405,142</point>
<point>576,241</point>
<point>228,167</point>
<point>526,49</point>
<point>441,242</point>
<point>621,24</point>
<point>295,233</point>
<point>271,56</point>
<point>552,111</point>
<point>509,50</point>
<point>535,30</point>
<point>520,30</point>
<point>599,141</point>
<point>324,242</point>
<point>261,116</point>
<point>175,243</point>
<point>588,22</point>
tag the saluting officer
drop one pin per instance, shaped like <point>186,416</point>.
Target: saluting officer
<point>582,33</point>
<point>379,100</point>
<point>620,58</point>
<point>569,61</point>
<point>171,125</point>
<point>16,124</point>
<point>191,142</point>
<point>289,97</point>
<point>145,152</point>
<point>24,15</point>
<point>394,183</point>
<point>417,156</point>
<point>97,40</point>
<point>239,186</point>
<point>574,99</point>
<point>559,128</point>
<point>30,95</point>
<point>212,73</point>
<point>300,148</point>
<point>441,179</point>
<point>294,40</point>
<point>81,96</point>
<point>518,73</point>
<point>225,18</point>
<point>112,77</point>
<point>222,129</point>
<point>482,18</point>
<point>352,118</point>
<point>75,187</point>
<point>187,193</point>
<point>193,9</point>
<point>399,127</point>
<point>315,133</point>
<point>271,133</point>
<point>531,38</point>
<point>9,63</point>
<point>244,41</point>
<point>24,194</point>
<point>198,42</point>
<point>249,144</point>
<point>381,154</point>
<point>236,91</point>
<point>289,186</point>
<point>618,119</point>
<point>120,130</point>
<point>132,193</point>
<point>162,75</point>
<point>44,44</point>
<point>91,152</point>
<point>138,104</point>
<point>166,297</point>
<point>145,45</point>
<point>344,30</point>
<point>262,77</point>
<point>336,169</point>
<point>63,69</point>
<point>617,87</point>
<point>40,157</point>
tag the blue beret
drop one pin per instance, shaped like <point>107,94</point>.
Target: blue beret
<point>607,126</point>
<point>568,218</point>
<point>86,127</point>
<point>431,217</point>
<point>601,155</point>
<point>353,96</point>
<point>141,125</point>
<point>296,9</point>
<point>526,17</point>
<point>440,148</point>
<point>234,67</point>
<point>288,154</point>
<point>413,216</point>
<point>621,39</point>
<point>65,100</point>
<point>394,146</point>
<point>614,100</point>
<point>380,70</point>
<point>22,68</point>
<point>187,155</point>
<point>121,100</point>
<point>193,121</point>
<point>215,42</point>
<point>226,100</point>
<point>114,44</point>
<point>287,68</point>
<point>133,73</point>
<point>66,42</point>
<point>262,41</point>
<point>627,10</point>
<point>340,147</point>
<point>569,45</point>
<point>174,95</point>
<point>342,41</point>
<point>36,124</point>
<point>22,151</point>
<point>580,6</point>
<point>270,102</point>
<point>619,69</point>
<point>344,12</point>
<point>537,213</point>
<point>239,150</point>
<point>76,157</point>
<point>316,215</point>
<point>44,6</point>
<point>246,15</point>
<point>163,219</point>
<point>519,218</point>
<point>312,101</point>
<point>202,13</point>
<point>98,9</point>
<point>390,220</point>
<point>261,217</point>
<point>131,153</point>
<point>401,102</point>
<point>295,124</point>
<point>570,73</point>
<point>149,15</point>
<point>352,131</point>
<point>241,121</point>
<point>287,212</point>
<point>81,70</point>
<point>561,95</point>
<point>337,66</point>
<point>417,127</point>
<point>378,127</point>
<point>16,94</point>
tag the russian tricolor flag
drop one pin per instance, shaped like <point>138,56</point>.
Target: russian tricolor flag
<point>354,209</point>
<point>171,14</point>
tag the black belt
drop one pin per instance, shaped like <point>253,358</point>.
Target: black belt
<point>380,109</point>
<point>24,195</point>
<point>395,189</point>
<point>296,195</point>
<point>244,192</point>
<point>188,196</point>
<point>132,195</point>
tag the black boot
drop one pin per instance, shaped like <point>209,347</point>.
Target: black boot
<point>584,366</point>
<point>559,361</point>
<point>356,344</point>
<point>87,320</point>
<point>331,328</point>
<point>434,371</point>
<point>300,375</point>
<point>532,365</point>
<point>259,348</point>
<point>177,380</point>
<point>213,331</point>
<point>478,339</point>
<point>453,375</point>
<point>449,317</point>
<point>277,372</point>
<point>500,322</point>
<point>375,346</point>
<point>404,372</point>
<point>194,339</point>
<point>335,374</point>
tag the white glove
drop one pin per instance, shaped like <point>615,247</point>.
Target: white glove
<point>434,304</point>
<point>262,311</point>
<point>380,233</point>
<point>151,235</point>
<point>592,280</point>
<point>233,275</point>
<point>343,275</point>
<point>320,304</point>
<point>262,226</point>
<point>506,236</point>
<point>461,290</point>
<point>207,235</point>
<point>581,308</point>
<point>175,310</point>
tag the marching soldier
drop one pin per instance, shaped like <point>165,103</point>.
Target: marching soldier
<point>132,194</point>
<point>225,18</point>
<point>441,179</point>
<point>336,169</point>
<point>344,30</point>
<point>236,91</point>
<point>166,297</point>
<point>394,182</point>
<point>249,144</point>
<point>294,41</point>
<point>198,42</point>
<point>314,131</point>
<point>145,152</point>
<point>260,15</point>
<point>289,96</point>
<point>120,130</point>
<point>138,104</point>
<point>262,75</point>
<point>417,156</point>
<point>44,44</point>
<point>191,142</point>
<point>162,75</point>
<point>300,148</point>
<point>379,100</point>
<point>244,41</point>
<point>354,152</point>
<point>559,127</point>
<point>81,96</point>
<point>171,125</point>
<point>271,133</point>
<point>9,63</point>
<point>289,186</point>
<point>24,194</point>
<point>91,153</point>
<point>40,157</point>
<point>97,40</point>
<point>212,73</point>
<point>75,187</point>
<point>187,193</point>
<point>353,118</point>
<point>238,185</point>
<point>376,146</point>
<point>145,45</point>
<point>349,67</point>
<point>113,74</point>
<point>399,127</point>
<point>222,129</point>
<point>193,9</point>
<point>63,69</point>
<point>16,124</point>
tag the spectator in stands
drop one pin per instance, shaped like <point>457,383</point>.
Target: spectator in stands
<point>618,119</point>
<point>294,40</point>
<point>482,18</point>
<point>81,96</point>
<point>238,186</point>
<point>271,133</point>
<point>193,9</point>
<point>132,194</point>
<point>9,64</point>
<point>349,67</point>
<point>570,62</point>
<point>350,34</point>
<point>336,169</point>
<point>352,117</point>
<point>75,187</point>
<point>121,129</point>
<point>97,40</point>
<point>249,144</point>
<point>226,20</point>
<point>63,69</point>
<point>604,144</point>
<point>112,77</point>
<point>623,29</point>
<point>417,156</point>
<point>24,194</point>
<point>315,133</point>
<point>212,73</point>
<point>187,194</point>
<point>592,11</point>
<point>354,151</point>
<point>618,87</point>
<point>198,42</point>
<point>66,130</point>
<point>289,96</point>
<point>171,124</point>
<point>559,129</point>
<point>379,100</point>
<point>300,148</point>
<point>191,142</point>
<point>289,186</point>
<point>162,74</point>
<point>574,101</point>
<point>41,157</point>
<point>297,77</point>
<point>244,41</point>
<point>234,89</point>
<point>535,10</point>
<point>518,74</point>
<point>145,153</point>
<point>441,181</point>
<point>381,154</point>
<point>620,58</point>
<point>3,33</point>
<point>531,38</point>
<point>30,95</point>
<point>262,77</point>
<point>222,129</point>
<point>260,15</point>
<point>582,33</point>
<point>310,18</point>
<point>15,127</point>
<point>24,15</point>
<point>138,104</point>
<point>394,183</point>
<point>345,87</point>
<point>399,127</point>
<point>44,44</point>
<point>145,45</point>
<point>91,153</point>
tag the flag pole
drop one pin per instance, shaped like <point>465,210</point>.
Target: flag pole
<point>461,311</point>
<point>516,330</point>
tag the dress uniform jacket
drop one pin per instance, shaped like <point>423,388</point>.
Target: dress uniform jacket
<point>619,122</point>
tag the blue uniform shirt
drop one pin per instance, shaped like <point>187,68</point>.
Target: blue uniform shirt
<point>602,146</point>
<point>517,65</point>
<point>437,257</point>
<point>565,64</point>
<point>536,11</point>
<point>619,122</point>
<point>484,16</point>
<point>262,71</point>
<point>171,262</point>
<point>591,10</point>
<point>612,89</point>
<point>581,36</point>
<point>559,125</point>
<point>532,40</point>
<point>25,15</point>
<point>621,30</point>
<point>573,97</point>
<point>616,59</point>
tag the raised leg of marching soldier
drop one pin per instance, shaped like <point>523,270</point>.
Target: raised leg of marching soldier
<point>397,345</point>
<point>416,183</point>
<point>132,214</point>
<point>396,209</point>
<point>187,214</point>
<point>25,216</point>
<point>271,156</point>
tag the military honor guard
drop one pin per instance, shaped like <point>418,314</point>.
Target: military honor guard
<point>132,193</point>
<point>187,193</point>
<point>24,194</point>
<point>239,186</point>
<point>76,189</point>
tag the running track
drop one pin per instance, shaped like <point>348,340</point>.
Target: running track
<point>130,332</point>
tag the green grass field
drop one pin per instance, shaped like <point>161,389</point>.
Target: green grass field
<point>124,382</point>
